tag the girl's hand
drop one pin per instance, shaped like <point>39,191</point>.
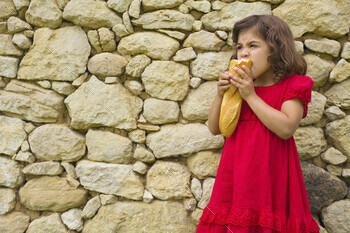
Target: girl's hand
<point>223,83</point>
<point>245,85</point>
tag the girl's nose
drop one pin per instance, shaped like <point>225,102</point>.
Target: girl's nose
<point>245,52</point>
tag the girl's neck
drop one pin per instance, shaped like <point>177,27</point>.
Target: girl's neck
<point>266,79</point>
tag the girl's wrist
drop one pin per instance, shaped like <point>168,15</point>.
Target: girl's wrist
<point>251,97</point>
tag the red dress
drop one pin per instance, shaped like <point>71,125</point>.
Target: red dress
<point>259,185</point>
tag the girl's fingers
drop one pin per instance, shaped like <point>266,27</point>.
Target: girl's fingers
<point>225,75</point>
<point>239,71</point>
<point>238,82</point>
<point>248,72</point>
<point>245,72</point>
<point>236,79</point>
<point>246,69</point>
<point>224,86</point>
<point>224,82</point>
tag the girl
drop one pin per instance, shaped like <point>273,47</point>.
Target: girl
<point>259,185</point>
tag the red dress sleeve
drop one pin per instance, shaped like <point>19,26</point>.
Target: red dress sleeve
<point>301,87</point>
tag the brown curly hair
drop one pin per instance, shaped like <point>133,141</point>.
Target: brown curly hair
<point>284,59</point>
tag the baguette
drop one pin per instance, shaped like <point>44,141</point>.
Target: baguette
<point>232,101</point>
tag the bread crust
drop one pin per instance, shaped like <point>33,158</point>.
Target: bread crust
<point>232,101</point>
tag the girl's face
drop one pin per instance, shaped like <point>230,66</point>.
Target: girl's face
<point>251,46</point>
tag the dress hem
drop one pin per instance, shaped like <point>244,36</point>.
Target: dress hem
<point>252,217</point>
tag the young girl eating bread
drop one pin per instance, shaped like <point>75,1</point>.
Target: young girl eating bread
<point>259,185</point>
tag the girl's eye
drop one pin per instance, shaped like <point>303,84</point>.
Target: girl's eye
<point>239,47</point>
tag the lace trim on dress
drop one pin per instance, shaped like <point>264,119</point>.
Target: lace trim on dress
<point>250,217</point>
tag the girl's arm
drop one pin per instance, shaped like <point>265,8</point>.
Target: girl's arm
<point>283,123</point>
<point>214,115</point>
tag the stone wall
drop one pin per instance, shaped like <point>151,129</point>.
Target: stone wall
<point>104,105</point>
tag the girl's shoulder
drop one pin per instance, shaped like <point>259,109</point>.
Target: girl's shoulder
<point>299,80</point>
<point>299,86</point>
